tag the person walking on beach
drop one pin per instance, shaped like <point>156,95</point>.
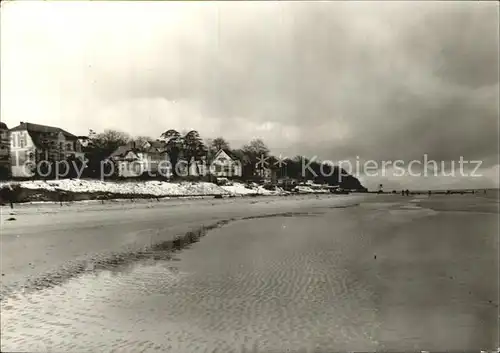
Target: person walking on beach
<point>407,192</point>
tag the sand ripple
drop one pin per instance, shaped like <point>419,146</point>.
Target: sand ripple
<point>270,284</point>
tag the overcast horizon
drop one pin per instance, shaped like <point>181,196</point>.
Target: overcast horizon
<point>336,80</point>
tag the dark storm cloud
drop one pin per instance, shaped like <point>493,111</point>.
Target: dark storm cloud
<point>379,80</point>
<point>403,79</point>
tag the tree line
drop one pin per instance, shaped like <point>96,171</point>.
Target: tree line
<point>191,147</point>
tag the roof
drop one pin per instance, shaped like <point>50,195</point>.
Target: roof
<point>229,154</point>
<point>38,132</point>
<point>121,151</point>
<point>132,146</point>
<point>158,144</point>
<point>37,128</point>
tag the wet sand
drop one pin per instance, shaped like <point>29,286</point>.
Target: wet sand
<point>50,241</point>
<point>391,274</point>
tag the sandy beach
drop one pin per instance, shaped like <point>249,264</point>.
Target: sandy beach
<point>59,240</point>
<point>363,273</point>
<point>250,176</point>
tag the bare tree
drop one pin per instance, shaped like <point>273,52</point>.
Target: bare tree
<point>141,140</point>
<point>219,143</point>
<point>256,152</point>
<point>109,140</point>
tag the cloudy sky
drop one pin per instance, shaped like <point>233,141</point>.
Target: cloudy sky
<point>337,80</point>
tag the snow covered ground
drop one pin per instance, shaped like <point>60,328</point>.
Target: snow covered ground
<point>156,188</point>
<point>241,189</point>
<point>310,190</point>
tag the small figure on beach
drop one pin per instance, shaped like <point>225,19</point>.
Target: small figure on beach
<point>62,196</point>
<point>429,193</point>
<point>7,194</point>
<point>402,193</point>
<point>407,192</point>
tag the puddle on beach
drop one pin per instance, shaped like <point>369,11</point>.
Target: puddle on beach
<point>410,212</point>
<point>268,284</point>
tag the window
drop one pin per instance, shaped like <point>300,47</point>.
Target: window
<point>69,146</point>
<point>136,168</point>
<point>22,158</point>
<point>22,140</point>
<point>13,159</point>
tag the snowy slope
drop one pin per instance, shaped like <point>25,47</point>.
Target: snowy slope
<point>157,188</point>
<point>241,189</point>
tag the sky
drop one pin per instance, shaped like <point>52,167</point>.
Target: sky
<point>379,81</point>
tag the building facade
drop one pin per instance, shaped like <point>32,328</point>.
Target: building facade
<point>5,166</point>
<point>223,165</point>
<point>32,143</point>
<point>133,160</point>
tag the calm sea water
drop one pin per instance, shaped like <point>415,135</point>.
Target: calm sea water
<point>419,274</point>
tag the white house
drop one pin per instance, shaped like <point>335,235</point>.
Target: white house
<point>133,160</point>
<point>224,165</point>
<point>32,143</point>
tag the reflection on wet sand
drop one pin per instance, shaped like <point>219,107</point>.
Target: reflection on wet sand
<point>391,277</point>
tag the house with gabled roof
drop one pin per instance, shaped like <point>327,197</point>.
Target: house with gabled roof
<point>225,164</point>
<point>133,160</point>
<point>31,143</point>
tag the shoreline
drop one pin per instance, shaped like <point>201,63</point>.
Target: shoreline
<point>366,242</point>
<point>59,243</point>
<point>71,249</point>
<point>164,250</point>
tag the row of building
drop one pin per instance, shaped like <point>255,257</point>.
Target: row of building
<point>152,157</point>
<point>32,143</point>
<point>29,142</point>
